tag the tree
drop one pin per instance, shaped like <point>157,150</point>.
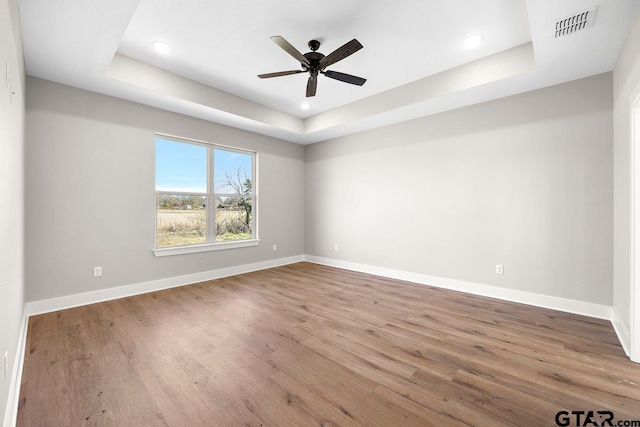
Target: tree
<point>197,202</point>
<point>168,202</point>
<point>241,185</point>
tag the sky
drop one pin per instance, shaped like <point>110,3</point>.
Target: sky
<point>182,167</point>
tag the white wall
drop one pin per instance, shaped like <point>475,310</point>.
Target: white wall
<point>524,181</point>
<point>626,79</point>
<point>90,197</point>
<point>11,194</point>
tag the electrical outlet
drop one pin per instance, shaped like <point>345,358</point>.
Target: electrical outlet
<point>275,248</point>
<point>499,269</point>
<point>6,364</point>
<point>97,271</point>
<point>336,248</point>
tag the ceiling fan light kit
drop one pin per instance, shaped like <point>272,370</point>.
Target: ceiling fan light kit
<point>315,63</point>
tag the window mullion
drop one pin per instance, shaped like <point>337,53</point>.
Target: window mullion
<point>180,193</point>
<point>211,199</point>
<point>254,195</point>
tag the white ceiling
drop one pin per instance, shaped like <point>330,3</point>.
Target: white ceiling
<point>413,57</point>
<point>227,44</point>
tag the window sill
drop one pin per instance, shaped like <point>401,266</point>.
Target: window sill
<point>181,250</point>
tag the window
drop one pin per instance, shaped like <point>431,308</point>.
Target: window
<point>205,197</point>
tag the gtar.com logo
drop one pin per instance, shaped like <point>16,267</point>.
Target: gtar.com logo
<point>591,419</point>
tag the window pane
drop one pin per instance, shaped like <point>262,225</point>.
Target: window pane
<point>181,220</point>
<point>233,218</point>
<point>180,167</point>
<point>232,172</point>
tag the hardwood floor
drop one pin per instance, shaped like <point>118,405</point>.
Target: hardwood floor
<point>309,345</point>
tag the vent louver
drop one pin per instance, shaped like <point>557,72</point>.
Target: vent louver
<point>573,23</point>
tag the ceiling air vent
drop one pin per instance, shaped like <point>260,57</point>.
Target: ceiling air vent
<point>577,22</point>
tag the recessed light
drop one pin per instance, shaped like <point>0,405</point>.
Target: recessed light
<point>472,41</point>
<point>162,47</point>
<point>305,105</point>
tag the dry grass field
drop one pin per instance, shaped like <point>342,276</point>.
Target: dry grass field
<point>179,227</point>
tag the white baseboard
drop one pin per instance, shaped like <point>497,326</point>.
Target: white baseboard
<point>621,330</point>
<point>76,300</point>
<point>11,411</point>
<point>546,301</point>
<point>599,311</point>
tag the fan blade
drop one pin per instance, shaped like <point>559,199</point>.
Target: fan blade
<point>280,73</point>
<point>286,46</point>
<point>347,78</point>
<point>340,53</point>
<point>312,85</point>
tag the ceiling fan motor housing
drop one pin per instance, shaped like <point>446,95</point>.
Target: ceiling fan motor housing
<point>314,59</point>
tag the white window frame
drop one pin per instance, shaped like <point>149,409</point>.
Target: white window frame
<point>211,207</point>
<point>632,337</point>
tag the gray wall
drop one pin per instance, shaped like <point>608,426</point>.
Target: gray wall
<point>90,197</point>
<point>11,192</point>
<point>524,181</point>
<point>626,78</point>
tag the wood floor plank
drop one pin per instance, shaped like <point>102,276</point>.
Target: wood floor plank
<point>310,345</point>
<point>302,398</point>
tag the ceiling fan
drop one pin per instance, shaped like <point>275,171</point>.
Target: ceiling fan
<point>315,63</point>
